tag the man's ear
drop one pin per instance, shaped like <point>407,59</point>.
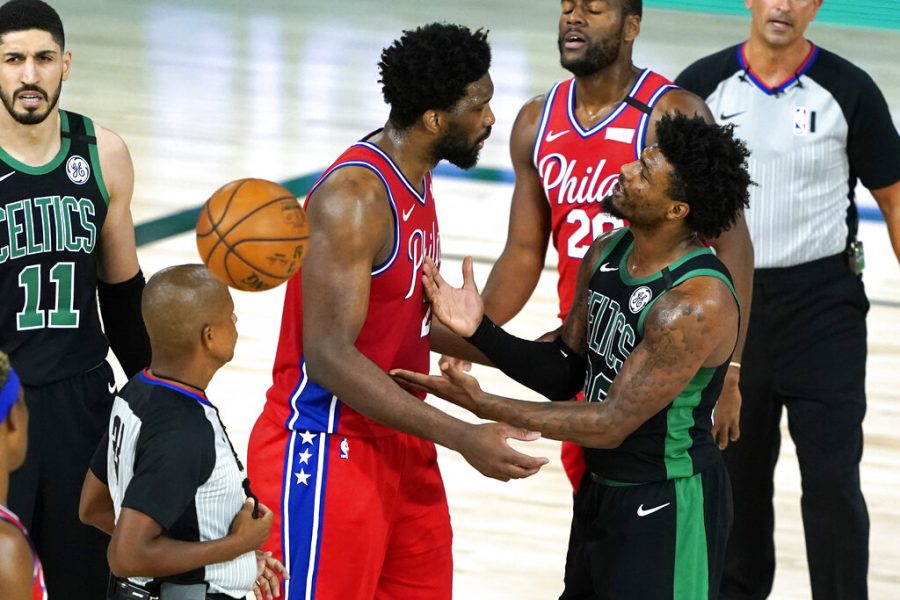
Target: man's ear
<point>206,336</point>
<point>679,211</point>
<point>433,121</point>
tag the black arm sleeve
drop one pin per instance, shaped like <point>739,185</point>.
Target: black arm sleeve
<point>120,306</point>
<point>549,368</point>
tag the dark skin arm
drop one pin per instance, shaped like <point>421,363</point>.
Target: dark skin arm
<point>139,547</point>
<point>734,248</point>
<point>96,505</point>
<point>352,229</point>
<point>516,273</point>
<point>692,326</point>
<point>17,565</point>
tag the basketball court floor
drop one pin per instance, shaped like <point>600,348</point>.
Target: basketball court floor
<point>209,91</point>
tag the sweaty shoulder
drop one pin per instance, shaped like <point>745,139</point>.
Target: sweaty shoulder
<point>703,76</point>
<point>350,184</point>
<point>116,164</point>
<point>529,118</point>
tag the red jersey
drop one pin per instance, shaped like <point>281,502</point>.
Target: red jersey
<point>578,167</point>
<point>39,588</point>
<point>396,332</point>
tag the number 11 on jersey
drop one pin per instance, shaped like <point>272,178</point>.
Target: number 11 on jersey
<point>63,314</point>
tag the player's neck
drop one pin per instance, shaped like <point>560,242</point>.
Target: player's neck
<point>410,155</point>
<point>657,248</point>
<point>775,63</point>
<point>597,93</point>
<point>34,145</point>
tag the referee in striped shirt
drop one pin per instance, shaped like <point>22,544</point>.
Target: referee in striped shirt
<point>165,481</point>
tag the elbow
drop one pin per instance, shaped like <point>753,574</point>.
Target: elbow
<point>603,441</point>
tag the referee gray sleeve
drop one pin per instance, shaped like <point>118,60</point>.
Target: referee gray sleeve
<point>549,368</point>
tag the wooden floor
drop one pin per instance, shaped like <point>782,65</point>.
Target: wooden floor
<point>212,90</point>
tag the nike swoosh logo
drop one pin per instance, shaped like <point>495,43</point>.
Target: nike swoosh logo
<point>641,512</point>
<point>111,387</point>
<point>552,136</point>
<point>406,213</point>
<point>10,174</point>
<point>605,268</point>
<point>724,117</point>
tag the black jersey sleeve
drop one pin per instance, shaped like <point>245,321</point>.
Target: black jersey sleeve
<point>704,76</point>
<point>873,145</point>
<point>98,461</point>
<point>174,457</point>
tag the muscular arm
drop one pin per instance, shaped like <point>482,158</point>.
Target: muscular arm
<point>17,565</point>
<point>118,254</point>
<point>693,326</point>
<point>351,230</point>
<point>516,273</point>
<point>120,281</point>
<point>888,200</point>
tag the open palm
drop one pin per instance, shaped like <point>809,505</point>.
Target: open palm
<point>460,309</point>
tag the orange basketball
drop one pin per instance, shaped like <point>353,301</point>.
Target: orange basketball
<point>252,234</point>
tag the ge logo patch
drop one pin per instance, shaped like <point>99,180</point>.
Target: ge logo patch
<point>78,169</point>
<point>639,299</point>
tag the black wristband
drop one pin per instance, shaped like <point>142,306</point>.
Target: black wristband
<point>549,368</point>
<point>120,306</point>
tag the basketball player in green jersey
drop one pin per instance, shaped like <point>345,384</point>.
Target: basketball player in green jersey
<point>65,232</point>
<point>649,337</point>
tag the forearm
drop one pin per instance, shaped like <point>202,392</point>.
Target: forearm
<point>104,520</point>
<point>549,368</point>
<point>511,283</point>
<point>737,255</point>
<point>362,385</point>
<point>162,556</point>
<point>584,424</point>
<point>120,306</point>
<point>444,341</point>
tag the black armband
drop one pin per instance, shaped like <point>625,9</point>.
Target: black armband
<point>120,307</point>
<point>550,368</point>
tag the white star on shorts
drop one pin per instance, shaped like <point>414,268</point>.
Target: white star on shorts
<point>302,477</point>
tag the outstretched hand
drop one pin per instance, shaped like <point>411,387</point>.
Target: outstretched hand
<point>453,385</point>
<point>484,446</point>
<point>460,309</point>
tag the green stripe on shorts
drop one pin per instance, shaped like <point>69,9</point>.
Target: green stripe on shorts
<point>691,575</point>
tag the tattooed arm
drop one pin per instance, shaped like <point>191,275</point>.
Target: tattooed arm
<point>692,326</point>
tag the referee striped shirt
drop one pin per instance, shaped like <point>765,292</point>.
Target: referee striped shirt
<point>167,456</point>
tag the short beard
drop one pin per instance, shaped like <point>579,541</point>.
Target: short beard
<point>30,117</point>
<point>598,56</point>
<point>606,204</point>
<point>456,149</point>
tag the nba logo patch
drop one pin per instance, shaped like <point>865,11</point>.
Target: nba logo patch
<point>804,120</point>
<point>345,449</point>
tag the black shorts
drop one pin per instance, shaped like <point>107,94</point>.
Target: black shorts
<point>659,540</point>
<point>67,419</point>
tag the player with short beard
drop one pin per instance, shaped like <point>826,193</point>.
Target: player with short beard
<point>567,147</point>
<point>346,454</point>
<point>67,238</point>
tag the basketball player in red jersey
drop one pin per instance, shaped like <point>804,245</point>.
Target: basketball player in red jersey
<point>567,148</point>
<point>345,453</point>
<point>21,573</point>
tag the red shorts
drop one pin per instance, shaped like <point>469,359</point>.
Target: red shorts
<point>572,457</point>
<point>354,517</point>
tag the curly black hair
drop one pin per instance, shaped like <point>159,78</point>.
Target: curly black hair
<point>430,68</point>
<point>20,15</point>
<point>633,7</point>
<point>709,171</point>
